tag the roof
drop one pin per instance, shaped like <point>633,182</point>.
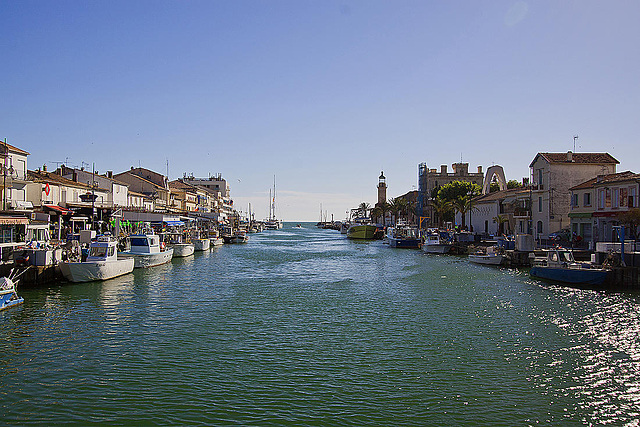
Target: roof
<point>607,179</point>
<point>179,185</point>
<point>54,178</point>
<point>501,194</point>
<point>577,158</point>
<point>128,173</point>
<point>15,149</point>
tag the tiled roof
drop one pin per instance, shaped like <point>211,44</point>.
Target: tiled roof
<point>15,149</point>
<point>611,178</point>
<point>580,158</point>
<point>497,195</point>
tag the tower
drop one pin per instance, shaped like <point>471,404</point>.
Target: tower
<point>382,189</point>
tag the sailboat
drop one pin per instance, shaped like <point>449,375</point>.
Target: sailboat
<point>272,223</point>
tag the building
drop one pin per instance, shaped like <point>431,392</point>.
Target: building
<point>552,175</point>
<point>13,179</point>
<point>149,183</point>
<point>430,179</point>
<point>501,212</point>
<point>219,191</point>
<point>596,205</point>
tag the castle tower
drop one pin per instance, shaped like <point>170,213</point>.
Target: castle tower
<point>382,189</point>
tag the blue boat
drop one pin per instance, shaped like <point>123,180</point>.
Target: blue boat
<point>560,266</point>
<point>8,294</point>
<point>403,236</point>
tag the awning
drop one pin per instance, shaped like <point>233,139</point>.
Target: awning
<point>174,223</point>
<point>59,209</point>
<point>580,215</point>
<point>11,220</point>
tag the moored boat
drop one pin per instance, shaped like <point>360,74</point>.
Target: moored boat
<point>403,236</point>
<point>362,231</point>
<point>201,241</point>
<point>559,265</point>
<point>102,263</point>
<point>437,242</point>
<point>8,295</point>
<point>490,257</point>
<point>146,251</point>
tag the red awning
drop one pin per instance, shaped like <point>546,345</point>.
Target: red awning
<point>59,209</point>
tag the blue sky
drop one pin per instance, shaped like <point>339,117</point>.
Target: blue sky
<point>322,94</point>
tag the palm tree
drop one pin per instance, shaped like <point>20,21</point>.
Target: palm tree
<point>394,208</point>
<point>384,208</point>
<point>441,208</point>
<point>375,213</point>
<point>464,204</point>
<point>501,219</point>
<point>364,208</point>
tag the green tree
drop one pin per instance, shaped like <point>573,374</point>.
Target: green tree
<point>512,183</point>
<point>442,209</point>
<point>501,220</point>
<point>631,220</point>
<point>394,208</point>
<point>364,208</point>
<point>375,213</point>
<point>461,195</point>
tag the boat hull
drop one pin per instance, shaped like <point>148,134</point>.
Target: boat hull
<point>575,276</point>
<point>486,259</point>
<point>201,244</point>
<point>182,250</point>
<point>436,248</point>
<point>99,270</point>
<point>404,243</point>
<point>149,260</point>
<point>362,232</point>
<point>8,298</point>
<point>216,241</point>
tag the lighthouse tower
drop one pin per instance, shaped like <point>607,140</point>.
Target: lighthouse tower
<point>382,189</point>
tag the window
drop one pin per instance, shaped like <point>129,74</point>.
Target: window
<point>539,176</point>
<point>632,198</point>
<point>539,227</point>
<point>615,199</point>
<point>540,204</point>
<point>587,199</point>
<point>574,200</point>
<point>600,199</point>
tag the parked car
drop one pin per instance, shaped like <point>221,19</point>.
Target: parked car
<point>563,235</point>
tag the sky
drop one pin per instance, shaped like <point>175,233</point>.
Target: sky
<point>321,95</point>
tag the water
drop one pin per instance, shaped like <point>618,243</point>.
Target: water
<point>303,327</point>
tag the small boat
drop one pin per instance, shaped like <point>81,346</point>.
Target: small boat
<point>102,263</point>
<point>490,257</point>
<point>437,242</point>
<point>146,250</point>
<point>8,295</point>
<point>242,236</point>
<point>215,239</point>
<point>403,236</point>
<point>180,247</point>
<point>560,266</point>
<point>200,243</point>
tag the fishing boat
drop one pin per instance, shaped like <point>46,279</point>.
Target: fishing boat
<point>8,295</point>
<point>437,242</point>
<point>403,236</point>
<point>559,265</point>
<point>215,239</point>
<point>200,242</point>
<point>146,250</point>
<point>491,257</point>
<point>181,248</point>
<point>242,236</point>
<point>362,229</point>
<point>102,263</point>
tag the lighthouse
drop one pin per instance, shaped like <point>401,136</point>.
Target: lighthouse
<point>382,189</point>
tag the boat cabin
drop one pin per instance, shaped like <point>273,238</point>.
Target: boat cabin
<point>145,243</point>
<point>103,249</point>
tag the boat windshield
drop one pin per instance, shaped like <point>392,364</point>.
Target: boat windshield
<point>101,251</point>
<point>139,241</point>
<point>566,256</point>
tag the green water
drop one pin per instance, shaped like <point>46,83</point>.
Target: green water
<point>304,327</point>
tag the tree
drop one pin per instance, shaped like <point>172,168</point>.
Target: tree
<point>364,208</point>
<point>384,208</point>
<point>501,220</point>
<point>461,194</point>
<point>442,209</point>
<point>631,220</point>
<point>375,213</point>
<point>394,208</point>
<point>512,183</point>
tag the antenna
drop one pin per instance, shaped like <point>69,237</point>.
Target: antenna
<point>167,167</point>
<point>575,137</point>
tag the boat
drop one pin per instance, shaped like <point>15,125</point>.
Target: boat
<point>272,223</point>
<point>8,294</point>
<point>363,229</point>
<point>491,257</point>
<point>176,241</point>
<point>146,250</point>
<point>200,242</point>
<point>559,265</point>
<point>241,236</point>
<point>102,263</point>
<point>215,239</point>
<point>437,242</point>
<point>403,236</point>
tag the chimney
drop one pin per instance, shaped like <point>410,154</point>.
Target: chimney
<point>44,168</point>
<point>479,169</point>
<point>569,156</point>
<point>109,174</point>
<point>443,169</point>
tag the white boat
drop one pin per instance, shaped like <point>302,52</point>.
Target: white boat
<point>176,241</point>
<point>491,257</point>
<point>8,295</point>
<point>201,241</point>
<point>437,242</point>
<point>146,251</point>
<point>102,263</point>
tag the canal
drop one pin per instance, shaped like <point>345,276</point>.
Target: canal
<point>304,327</point>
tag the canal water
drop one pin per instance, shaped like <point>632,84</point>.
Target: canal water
<point>304,327</point>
